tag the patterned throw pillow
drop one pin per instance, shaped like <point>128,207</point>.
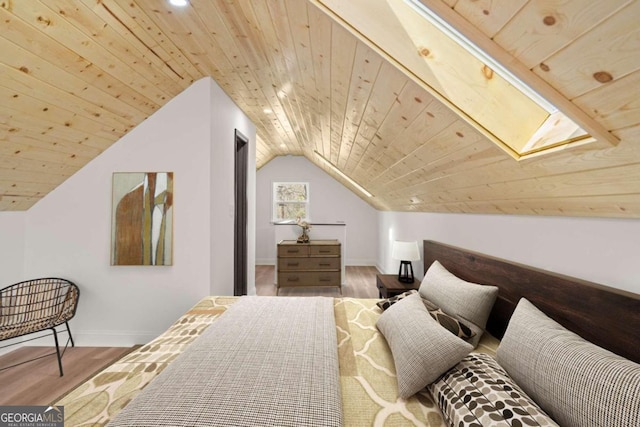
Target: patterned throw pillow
<point>448,322</point>
<point>477,392</point>
<point>386,303</point>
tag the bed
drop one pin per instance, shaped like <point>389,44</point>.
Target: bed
<point>368,381</point>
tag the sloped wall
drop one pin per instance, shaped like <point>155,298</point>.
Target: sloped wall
<point>12,234</point>
<point>68,232</point>
<point>596,249</point>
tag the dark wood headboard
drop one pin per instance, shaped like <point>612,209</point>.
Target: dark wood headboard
<point>606,316</point>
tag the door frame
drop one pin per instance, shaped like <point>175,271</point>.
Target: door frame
<point>240,265</point>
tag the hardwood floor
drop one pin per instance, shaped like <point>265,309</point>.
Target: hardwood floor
<point>360,282</point>
<point>39,382</point>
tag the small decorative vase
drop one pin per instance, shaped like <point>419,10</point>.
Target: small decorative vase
<point>304,237</point>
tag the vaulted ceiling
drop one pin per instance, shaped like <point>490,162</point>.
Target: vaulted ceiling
<point>76,75</point>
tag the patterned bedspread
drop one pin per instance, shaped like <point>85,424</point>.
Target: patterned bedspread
<point>267,362</point>
<point>367,373</point>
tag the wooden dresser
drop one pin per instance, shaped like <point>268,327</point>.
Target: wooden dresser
<point>314,264</point>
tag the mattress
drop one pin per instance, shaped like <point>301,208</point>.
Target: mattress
<point>366,368</point>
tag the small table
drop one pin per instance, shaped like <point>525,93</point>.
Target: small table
<point>389,285</point>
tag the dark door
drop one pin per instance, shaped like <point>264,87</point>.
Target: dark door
<point>240,218</point>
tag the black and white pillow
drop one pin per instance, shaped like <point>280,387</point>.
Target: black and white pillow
<point>477,392</point>
<point>450,323</point>
<point>386,303</point>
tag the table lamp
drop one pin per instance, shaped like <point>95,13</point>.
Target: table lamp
<point>405,252</point>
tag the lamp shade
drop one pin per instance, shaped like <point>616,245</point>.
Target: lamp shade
<point>405,251</point>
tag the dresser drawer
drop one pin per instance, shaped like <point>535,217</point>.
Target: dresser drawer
<point>293,251</point>
<point>324,250</point>
<point>319,263</point>
<point>314,264</point>
<point>308,278</point>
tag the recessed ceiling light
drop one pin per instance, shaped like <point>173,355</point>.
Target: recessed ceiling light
<point>179,3</point>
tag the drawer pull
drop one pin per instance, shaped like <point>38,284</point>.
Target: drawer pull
<point>324,251</point>
<point>293,279</point>
<point>325,264</point>
<point>324,279</point>
<point>293,251</point>
<point>293,264</point>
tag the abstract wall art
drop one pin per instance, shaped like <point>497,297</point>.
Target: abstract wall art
<point>142,218</point>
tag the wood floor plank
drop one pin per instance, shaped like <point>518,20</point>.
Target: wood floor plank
<point>39,382</point>
<point>360,282</point>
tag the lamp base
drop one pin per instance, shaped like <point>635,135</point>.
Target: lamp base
<point>405,273</point>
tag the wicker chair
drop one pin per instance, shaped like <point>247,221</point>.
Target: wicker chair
<point>35,306</point>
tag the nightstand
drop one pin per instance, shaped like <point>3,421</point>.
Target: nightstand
<point>389,285</point>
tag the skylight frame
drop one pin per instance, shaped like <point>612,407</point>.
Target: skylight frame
<point>481,55</point>
<point>557,132</point>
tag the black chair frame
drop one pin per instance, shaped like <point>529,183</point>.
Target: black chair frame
<point>36,306</point>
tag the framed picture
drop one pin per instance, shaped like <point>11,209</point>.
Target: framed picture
<point>142,218</point>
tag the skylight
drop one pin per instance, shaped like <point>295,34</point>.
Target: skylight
<point>459,73</point>
<point>555,130</point>
<point>480,54</point>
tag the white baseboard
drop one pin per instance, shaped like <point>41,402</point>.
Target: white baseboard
<point>12,344</point>
<point>112,338</point>
<point>36,339</point>
<point>360,262</point>
<point>87,339</point>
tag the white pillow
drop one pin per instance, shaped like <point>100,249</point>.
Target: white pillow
<point>469,301</point>
<point>422,349</point>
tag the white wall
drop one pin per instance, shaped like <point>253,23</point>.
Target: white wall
<point>12,235</point>
<point>68,232</point>
<point>225,119</point>
<point>600,250</point>
<point>331,202</point>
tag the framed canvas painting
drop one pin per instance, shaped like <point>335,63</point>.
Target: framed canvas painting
<point>142,218</point>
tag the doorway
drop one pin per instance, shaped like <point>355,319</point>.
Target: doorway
<point>240,216</point>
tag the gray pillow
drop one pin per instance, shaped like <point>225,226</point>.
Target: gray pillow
<point>452,324</point>
<point>469,301</point>
<point>422,349</point>
<point>573,380</point>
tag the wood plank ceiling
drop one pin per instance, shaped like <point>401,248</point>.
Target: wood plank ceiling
<point>76,75</point>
